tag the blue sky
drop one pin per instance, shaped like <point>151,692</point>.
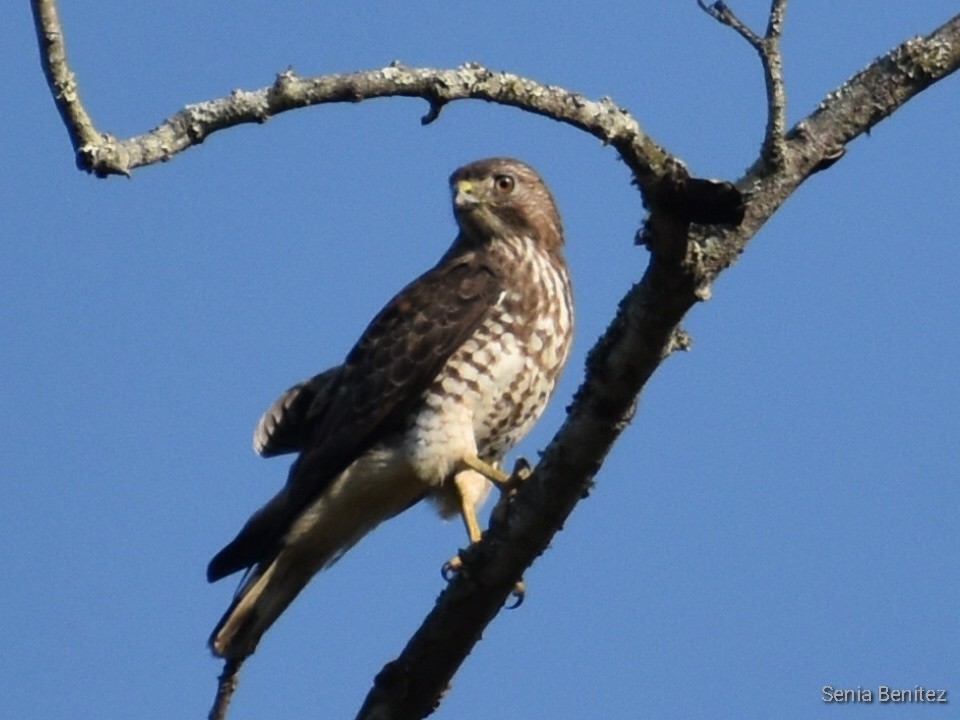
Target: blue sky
<point>780,516</point>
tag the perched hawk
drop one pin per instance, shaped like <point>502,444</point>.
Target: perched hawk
<point>445,380</point>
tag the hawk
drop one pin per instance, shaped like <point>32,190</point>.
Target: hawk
<point>444,381</point>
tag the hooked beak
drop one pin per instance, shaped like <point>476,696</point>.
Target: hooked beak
<point>466,195</point>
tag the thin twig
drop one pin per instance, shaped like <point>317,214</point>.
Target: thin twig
<point>768,48</point>
<point>226,687</point>
<point>772,59</point>
<point>720,12</point>
<point>778,9</point>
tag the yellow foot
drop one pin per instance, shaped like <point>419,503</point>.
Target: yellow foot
<point>491,473</point>
<point>506,483</point>
<point>508,486</point>
<point>521,471</point>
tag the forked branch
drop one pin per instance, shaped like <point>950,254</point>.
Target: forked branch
<point>768,47</point>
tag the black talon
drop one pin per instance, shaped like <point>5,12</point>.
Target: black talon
<point>451,568</point>
<point>448,571</point>
<point>519,592</point>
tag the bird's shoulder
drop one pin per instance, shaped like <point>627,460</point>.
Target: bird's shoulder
<point>427,320</point>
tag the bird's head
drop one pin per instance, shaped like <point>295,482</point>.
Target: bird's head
<point>502,197</point>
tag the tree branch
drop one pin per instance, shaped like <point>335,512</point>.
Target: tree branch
<point>820,139</point>
<point>226,687</point>
<point>644,332</point>
<point>880,89</point>
<point>772,60</point>
<point>720,12</point>
<point>687,255</point>
<point>62,82</point>
<point>768,47</point>
<point>659,175</point>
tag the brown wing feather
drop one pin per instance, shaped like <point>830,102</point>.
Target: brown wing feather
<point>285,426</point>
<point>384,376</point>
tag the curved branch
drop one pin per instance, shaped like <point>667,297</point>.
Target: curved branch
<point>662,178</point>
<point>105,155</point>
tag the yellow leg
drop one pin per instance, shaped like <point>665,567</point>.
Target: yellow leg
<point>469,515</point>
<point>508,485</point>
<point>466,470</point>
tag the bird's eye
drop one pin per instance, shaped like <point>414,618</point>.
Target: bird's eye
<point>503,184</point>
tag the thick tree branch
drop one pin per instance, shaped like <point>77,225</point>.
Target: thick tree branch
<point>644,332</point>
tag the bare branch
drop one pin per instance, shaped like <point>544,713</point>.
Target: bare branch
<point>226,687</point>
<point>819,140</point>
<point>661,177</point>
<point>105,155</point>
<point>644,332</point>
<point>772,60</point>
<point>778,9</point>
<point>720,12</point>
<point>62,82</point>
<point>880,89</point>
<point>768,47</point>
